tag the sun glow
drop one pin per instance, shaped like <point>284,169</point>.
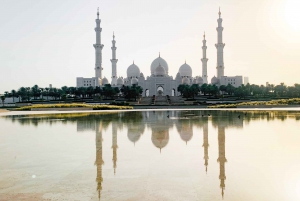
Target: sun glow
<point>292,13</point>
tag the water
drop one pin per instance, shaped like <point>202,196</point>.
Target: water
<point>161,155</point>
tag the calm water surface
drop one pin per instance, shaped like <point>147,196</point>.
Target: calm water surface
<point>161,155</point>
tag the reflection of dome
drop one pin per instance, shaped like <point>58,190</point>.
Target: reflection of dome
<point>120,81</point>
<point>159,61</point>
<point>199,80</point>
<point>185,131</point>
<point>185,80</point>
<point>134,81</point>
<point>133,137</point>
<point>135,131</point>
<point>160,138</point>
<point>104,81</point>
<point>159,71</point>
<point>185,70</point>
<point>214,80</point>
<point>133,71</point>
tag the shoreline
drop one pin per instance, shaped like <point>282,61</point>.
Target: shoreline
<point>157,108</point>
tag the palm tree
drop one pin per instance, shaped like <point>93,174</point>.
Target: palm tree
<point>47,90</point>
<point>42,90</point>
<point>13,93</point>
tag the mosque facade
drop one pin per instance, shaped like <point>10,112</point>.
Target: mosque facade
<point>159,82</point>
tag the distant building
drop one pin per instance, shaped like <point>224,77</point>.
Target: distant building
<point>159,82</point>
<point>235,81</point>
<point>246,80</point>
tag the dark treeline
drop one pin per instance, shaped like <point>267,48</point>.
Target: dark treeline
<point>24,94</point>
<point>243,91</point>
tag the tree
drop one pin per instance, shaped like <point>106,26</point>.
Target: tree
<point>195,90</point>
<point>3,100</point>
<point>36,92</point>
<point>130,92</point>
<point>14,94</point>
<point>229,89</point>
<point>90,91</point>
<point>203,89</point>
<point>222,88</point>
<point>47,92</point>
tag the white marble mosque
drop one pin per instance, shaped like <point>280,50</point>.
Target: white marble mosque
<point>159,82</point>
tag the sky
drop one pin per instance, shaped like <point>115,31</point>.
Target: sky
<point>51,42</point>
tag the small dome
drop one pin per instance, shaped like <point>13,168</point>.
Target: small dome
<point>185,70</point>
<point>214,80</point>
<point>120,81</point>
<point>133,71</point>
<point>185,80</point>
<point>159,71</point>
<point>141,75</point>
<point>199,80</point>
<point>156,63</point>
<point>104,81</point>
<point>134,81</point>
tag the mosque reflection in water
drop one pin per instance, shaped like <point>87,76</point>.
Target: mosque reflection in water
<point>160,122</point>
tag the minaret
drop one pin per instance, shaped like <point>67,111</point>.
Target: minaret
<point>99,160</point>
<point>98,50</point>
<point>114,63</point>
<point>205,145</point>
<point>114,146</point>
<point>204,61</point>
<point>222,159</point>
<point>220,46</point>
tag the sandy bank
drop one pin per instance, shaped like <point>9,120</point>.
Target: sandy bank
<point>1,110</point>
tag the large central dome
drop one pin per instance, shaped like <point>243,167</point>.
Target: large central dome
<point>159,61</point>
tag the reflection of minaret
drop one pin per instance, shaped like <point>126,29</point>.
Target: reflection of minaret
<point>114,146</point>
<point>222,159</point>
<point>99,161</point>
<point>205,145</point>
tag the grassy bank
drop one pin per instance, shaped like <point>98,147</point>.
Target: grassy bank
<point>292,101</point>
<point>75,105</point>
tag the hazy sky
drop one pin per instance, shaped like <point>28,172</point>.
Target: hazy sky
<point>51,42</point>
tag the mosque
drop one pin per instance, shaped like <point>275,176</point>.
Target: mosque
<point>159,82</point>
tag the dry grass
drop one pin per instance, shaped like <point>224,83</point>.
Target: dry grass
<point>292,101</point>
<point>76,105</point>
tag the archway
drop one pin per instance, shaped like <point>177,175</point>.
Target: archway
<point>147,92</point>
<point>173,92</point>
<point>160,90</point>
